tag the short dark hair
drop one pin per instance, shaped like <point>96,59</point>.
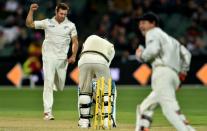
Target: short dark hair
<point>151,17</point>
<point>62,6</point>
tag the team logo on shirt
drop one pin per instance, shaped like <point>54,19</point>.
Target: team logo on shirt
<point>51,25</point>
<point>66,27</point>
<point>150,41</point>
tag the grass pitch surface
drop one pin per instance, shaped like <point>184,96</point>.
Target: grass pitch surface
<point>22,110</point>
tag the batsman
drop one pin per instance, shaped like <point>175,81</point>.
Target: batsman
<point>95,59</point>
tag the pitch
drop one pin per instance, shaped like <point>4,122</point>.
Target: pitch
<point>21,109</point>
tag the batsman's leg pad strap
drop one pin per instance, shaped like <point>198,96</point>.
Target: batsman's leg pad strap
<point>106,98</point>
<point>87,94</point>
<point>84,116</point>
<point>85,103</point>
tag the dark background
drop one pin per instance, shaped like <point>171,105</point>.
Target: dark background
<point>113,19</point>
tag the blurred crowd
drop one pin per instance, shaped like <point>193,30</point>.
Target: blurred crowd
<point>112,19</point>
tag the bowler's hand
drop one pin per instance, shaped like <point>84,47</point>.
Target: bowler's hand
<point>34,7</point>
<point>138,52</point>
<point>71,60</point>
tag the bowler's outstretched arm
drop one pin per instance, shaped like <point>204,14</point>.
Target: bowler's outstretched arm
<point>29,19</point>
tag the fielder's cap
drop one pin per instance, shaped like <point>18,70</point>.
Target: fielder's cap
<point>150,16</point>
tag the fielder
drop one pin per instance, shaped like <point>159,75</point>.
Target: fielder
<point>59,32</point>
<point>96,56</point>
<point>168,58</point>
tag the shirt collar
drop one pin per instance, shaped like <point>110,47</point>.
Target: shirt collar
<point>65,21</point>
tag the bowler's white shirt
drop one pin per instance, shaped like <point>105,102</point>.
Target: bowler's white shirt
<point>57,37</point>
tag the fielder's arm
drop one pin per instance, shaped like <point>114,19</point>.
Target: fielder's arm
<point>29,19</point>
<point>151,51</point>
<point>153,47</point>
<point>186,59</point>
<point>138,54</point>
<point>185,64</point>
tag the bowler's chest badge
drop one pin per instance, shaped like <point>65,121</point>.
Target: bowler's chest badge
<point>66,27</point>
<point>51,25</point>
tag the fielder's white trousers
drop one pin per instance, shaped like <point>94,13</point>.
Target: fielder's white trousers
<point>54,78</point>
<point>164,83</point>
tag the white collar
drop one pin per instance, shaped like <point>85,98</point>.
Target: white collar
<point>56,22</point>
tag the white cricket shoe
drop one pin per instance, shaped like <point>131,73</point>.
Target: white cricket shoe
<point>48,116</point>
<point>84,123</point>
<point>190,128</point>
<point>106,126</point>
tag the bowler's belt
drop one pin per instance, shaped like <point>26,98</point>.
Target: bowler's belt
<point>92,51</point>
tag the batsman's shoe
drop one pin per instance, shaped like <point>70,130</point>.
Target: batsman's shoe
<point>48,116</point>
<point>84,123</point>
<point>113,125</point>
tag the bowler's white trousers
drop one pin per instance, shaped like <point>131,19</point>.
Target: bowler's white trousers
<point>54,78</point>
<point>164,83</point>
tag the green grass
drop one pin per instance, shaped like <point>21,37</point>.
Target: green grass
<point>27,104</point>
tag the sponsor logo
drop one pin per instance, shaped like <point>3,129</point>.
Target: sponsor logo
<point>66,27</point>
<point>51,25</point>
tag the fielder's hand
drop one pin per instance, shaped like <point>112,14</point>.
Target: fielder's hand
<point>182,77</point>
<point>34,7</point>
<point>139,53</point>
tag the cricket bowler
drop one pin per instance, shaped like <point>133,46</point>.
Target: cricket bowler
<point>59,32</point>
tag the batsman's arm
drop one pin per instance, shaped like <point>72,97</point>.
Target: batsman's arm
<point>112,54</point>
<point>29,19</point>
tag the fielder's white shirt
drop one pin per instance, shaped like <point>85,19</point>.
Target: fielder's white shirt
<point>185,59</point>
<point>161,49</point>
<point>57,37</point>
